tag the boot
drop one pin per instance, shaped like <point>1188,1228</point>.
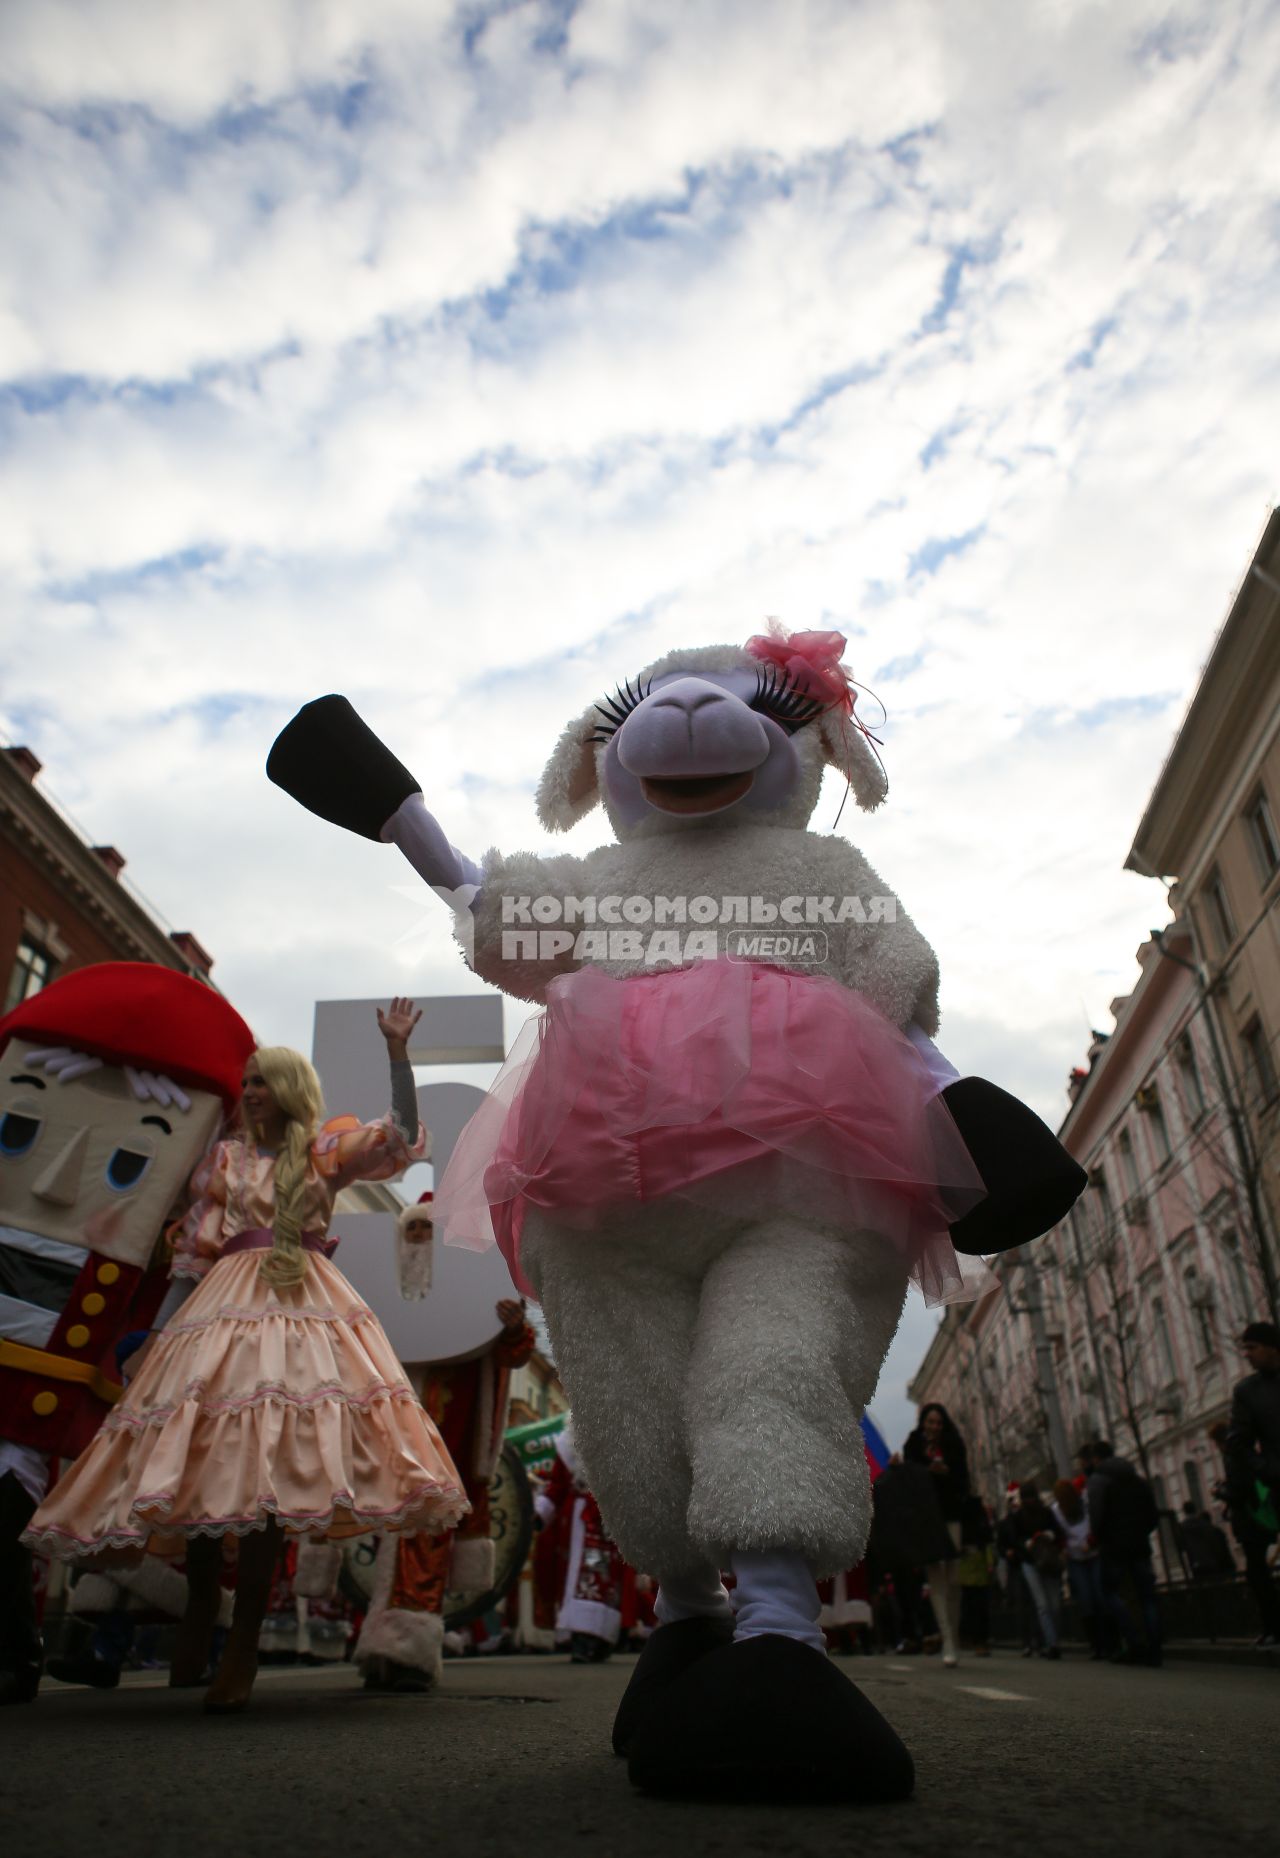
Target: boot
<point>95,1672</point>
<point>233,1681</point>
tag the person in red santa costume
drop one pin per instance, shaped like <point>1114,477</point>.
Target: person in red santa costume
<point>113,1083</point>
<point>403,1633</point>
<point>590,1572</point>
<point>270,1402</point>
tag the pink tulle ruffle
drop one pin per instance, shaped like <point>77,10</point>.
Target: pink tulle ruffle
<point>743,1085</point>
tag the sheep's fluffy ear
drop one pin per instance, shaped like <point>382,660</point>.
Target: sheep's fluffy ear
<point>848,751</point>
<point>568,789</point>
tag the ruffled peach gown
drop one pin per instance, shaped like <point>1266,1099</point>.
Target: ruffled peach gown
<point>254,1402</point>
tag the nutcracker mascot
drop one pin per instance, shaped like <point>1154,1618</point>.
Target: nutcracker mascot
<point>718,1159</point>
<point>113,1083</point>
<point>402,1637</point>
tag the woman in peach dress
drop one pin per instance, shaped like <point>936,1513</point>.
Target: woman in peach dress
<point>270,1403</point>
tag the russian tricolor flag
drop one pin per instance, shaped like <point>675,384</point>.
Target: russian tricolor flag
<point>874,1446</point>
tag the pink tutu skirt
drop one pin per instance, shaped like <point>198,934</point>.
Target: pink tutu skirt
<point>255,1403</point>
<point>747,1087</point>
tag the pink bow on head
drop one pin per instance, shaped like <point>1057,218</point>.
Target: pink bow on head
<point>811,660</point>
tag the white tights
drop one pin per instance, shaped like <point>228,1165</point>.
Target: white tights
<point>774,1592</point>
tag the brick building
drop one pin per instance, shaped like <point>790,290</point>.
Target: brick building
<point>63,903</point>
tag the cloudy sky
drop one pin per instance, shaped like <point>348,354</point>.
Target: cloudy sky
<point>464,358</point>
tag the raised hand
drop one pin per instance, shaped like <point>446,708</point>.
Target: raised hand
<point>396,1024</point>
<point>510,1313</point>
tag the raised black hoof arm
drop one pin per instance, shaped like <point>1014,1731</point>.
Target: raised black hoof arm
<point>1031,1180</point>
<point>330,761</point>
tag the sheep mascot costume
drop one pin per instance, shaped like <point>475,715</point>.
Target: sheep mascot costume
<point>716,1159</point>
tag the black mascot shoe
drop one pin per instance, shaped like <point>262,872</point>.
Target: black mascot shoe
<point>667,1656</point>
<point>768,1719</point>
<point>94,1671</point>
<point>331,762</point>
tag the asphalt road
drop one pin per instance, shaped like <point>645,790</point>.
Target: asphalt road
<point>511,1755</point>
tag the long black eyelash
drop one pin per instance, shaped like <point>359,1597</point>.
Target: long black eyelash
<point>778,696</point>
<point>618,707</point>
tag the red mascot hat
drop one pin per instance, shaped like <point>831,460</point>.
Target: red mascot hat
<point>134,1012</point>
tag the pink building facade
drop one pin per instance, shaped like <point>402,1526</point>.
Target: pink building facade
<point>1123,1321</point>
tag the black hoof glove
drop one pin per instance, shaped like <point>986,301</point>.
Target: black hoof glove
<point>1032,1182</point>
<point>331,762</point>
<point>768,1719</point>
<point>667,1656</point>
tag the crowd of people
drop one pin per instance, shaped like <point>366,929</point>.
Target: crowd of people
<point>939,1556</point>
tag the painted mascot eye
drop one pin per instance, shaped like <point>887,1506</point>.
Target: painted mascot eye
<point>616,709</point>
<point>17,1134</point>
<point>778,697</point>
<point>126,1168</point>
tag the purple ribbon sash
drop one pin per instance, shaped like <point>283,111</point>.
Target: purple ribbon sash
<point>261,1239</point>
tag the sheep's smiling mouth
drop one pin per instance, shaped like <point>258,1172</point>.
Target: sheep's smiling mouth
<point>706,793</point>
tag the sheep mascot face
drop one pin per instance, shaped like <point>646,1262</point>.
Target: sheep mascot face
<point>711,730</point>
<point>717,1159</point>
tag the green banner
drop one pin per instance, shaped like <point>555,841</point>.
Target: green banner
<point>536,1443</point>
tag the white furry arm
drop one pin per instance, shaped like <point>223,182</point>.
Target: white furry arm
<point>420,836</point>
<point>525,922</point>
<point>885,957</point>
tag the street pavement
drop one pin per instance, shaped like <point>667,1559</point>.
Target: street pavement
<point>511,1755</point>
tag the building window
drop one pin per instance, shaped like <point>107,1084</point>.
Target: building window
<point>1100,1194</point>
<point>1164,1343</point>
<point>34,968</point>
<point>1198,1294</point>
<point>1263,838</point>
<point>1261,1063</point>
<point>1238,1276</point>
<point>1128,1166</point>
<point>1189,1072</point>
<point>1191,1477</point>
<point>1220,918</point>
<point>1073,1234</point>
<point>1148,1101</point>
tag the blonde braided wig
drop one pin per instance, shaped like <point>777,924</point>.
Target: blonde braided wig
<point>296,1088</point>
